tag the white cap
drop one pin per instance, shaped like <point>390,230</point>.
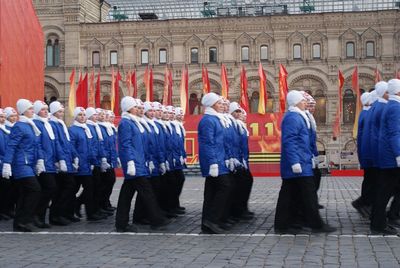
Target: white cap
<point>10,111</point>
<point>55,106</point>
<point>210,99</point>
<point>127,103</point>
<point>365,98</point>
<point>170,109</point>
<point>23,105</point>
<point>2,112</point>
<point>294,97</point>
<point>157,106</point>
<point>394,86</point>
<point>90,111</point>
<point>233,107</point>
<point>164,108</point>
<point>38,106</point>
<point>99,110</point>
<point>139,103</point>
<point>178,111</point>
<point>373,97</point>
<point>381,88</point>
<point>79,110</point>
<point>148,106</point>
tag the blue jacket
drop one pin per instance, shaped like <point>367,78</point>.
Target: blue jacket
<point>66,151</point>
<point>3,145</point>
<point>130,147</point>
<point>110,146</point>
<point>295,147</point>
<point>161,143</point>
<point>389,135</point>
<point>154,149</point>
<point>84,148</point>
<point>168,146</point>
<point>375,115</point>
<point>211,145</point>
<point>364,139</point>
<point>23,151</point>
<point>229,133</point>
<point>244,147</point>
<point>235,140</point>
<point>313,137</point>
<point>97,147</point>
<point>177,144</point>
<point>49,148</point>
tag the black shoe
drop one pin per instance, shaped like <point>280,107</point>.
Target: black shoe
<point>95,217</point>
<point>360,208</point>
<point>387,231</point>
<point>213,227</point>
<point>40,224</point>
<point>142,222</point>
<point>109,209</point>
<point>73,219</point>
<point>179,212</point>
<point>326,228</point>
<point>394,223</point>
<point>231,221</point>
<point>106,212</point>
<point>128,229</point>
<point>171,215</point>
<point>289,230</point>
<point>24,227</point>
<point>320,206</point>
<point>60,221</point>
<point>181,208</point>
<point>4,216</point>
<point>161,226</point>
<point>226,226</point>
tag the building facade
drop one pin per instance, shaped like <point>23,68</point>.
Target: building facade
<point>313,47</point>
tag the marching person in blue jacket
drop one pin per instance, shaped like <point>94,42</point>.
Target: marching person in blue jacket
<point>82,141</point>
<point>49,146</point>
<point>389,162</point>
<point>135,169</point>
<point>212,156</point>
<point>24,160</point>
<point>63,204</point>
<point>296,170</point>
<point>5,184</point>
<point>11,117</point>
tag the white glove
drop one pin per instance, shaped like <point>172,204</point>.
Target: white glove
<point>119,165</point>
<point>245,164</point>
<point>6,174</point>
<point>151,166</point>
<point>163,169</point>
<point>131,170</point>
<point>174,162</point>
<point>315,162</point>
<point>213,170</point>
<point>236,162</point>
<point>296,168</point>
<point>167,165</point>
<point>397,160</point>
<point>63,166</point>
<point>40,167</point>
<point>182,160</point>
<point>104,165</point>
<point>227,163</point>
<point>231,165</point>
<point>75,164</point>
<point>91,167</point>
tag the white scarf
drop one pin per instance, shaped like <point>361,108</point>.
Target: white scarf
<point>55,119</point>
<point>5,130</point>
<point>243,127</point>
<point>108,127</point>
<point>182,128</point>
<point>394,98</point>
<point>162,124</point>
<point>114,127</point>
<point>144,123</point>
<point>29,121</point>
<point>168,125</point>
<point>134,119</point>
<point>302,113</point>
<point>312,120</point>
<point>151,122</point>
<point>9,124</point>
<point>221,117</point>
<point>177,128</point>
<point>232,119</point>
<point>85,127</point>
<point>47,126</point>
<point>228,120</point>
<point>366,108</point>
<point>97,127</point>
<point>380,99</point>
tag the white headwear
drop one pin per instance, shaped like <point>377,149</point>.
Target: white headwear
<point>79,110</point>
<point>139,103</point>
<point>373,97</point>
<point>2,112</point>
<point>394,86</point>
<point>178,111</point>
<point>170,109</point>
<point>157,106</point>
<point>23,105</point>
<point>55,106</point>
<point>294,97</point>
<point>233,107</point>
<point>38,106</point>
<point>210,99</point>
<point>365,98</point>
<point>90,111</point>
<point>10,111</point>
<point>381,87</point>
<point>148,106</point>
<point>127,103</point>
<point>2,126</point>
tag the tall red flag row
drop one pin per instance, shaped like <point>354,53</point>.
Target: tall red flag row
<point>244,98</point>
<point>262,103</point>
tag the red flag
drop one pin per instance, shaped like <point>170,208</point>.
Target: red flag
<point>356,89</point>
<point>378,76</point>
<point>91,92</point>
<point>262,103</point>
<point>82,92</point>
<point>206,81</point>
<point>244,98</point>
<point>167,96</point>
<point>72,93</point>
<point>184,90</point>
<point>97,95</point>
<point>134,84</point>
<point>116,94</point>
<point>283,87</point>
<point>128,82</point>
<point>224,82</point>
<point>148,82</point>
<point>337,122</point>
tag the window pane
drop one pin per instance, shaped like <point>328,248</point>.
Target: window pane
<point>144,56</point>
<point>96,58</point>
<point>194,55</point>
<point>245,53</point>
<point>297,51</point>
<point>213,54</point>
<point>350,50</point>
<point>264,53</point>
<point>316,51</point>
<point>49,54</point>
<point>56,53</point>
<point>370,49</point>
<point>163,56</point>
<point>113,58</point>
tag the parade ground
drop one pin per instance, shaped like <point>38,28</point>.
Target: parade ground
<point>248,244</point>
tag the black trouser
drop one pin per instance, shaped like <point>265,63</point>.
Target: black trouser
<point>292,192</point>
<point>98,187</point>
<point>241,192</point>
<point>167,191</point>
<point>389,184</point>
<point>6,196</point>
<point>64,201</point>
<point>317,178</point>
<point>395,207</point>
<point>369,186</point>
<point>178,186</point>
<point>87,196</point>
<point>108,180</point>
<point>28,198</point>
<point>48,185</point>
<point>142,186</point>
<point>217,192</point>
<point>139,213</point>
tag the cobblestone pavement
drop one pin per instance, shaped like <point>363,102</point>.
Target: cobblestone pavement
<point>250,244</point>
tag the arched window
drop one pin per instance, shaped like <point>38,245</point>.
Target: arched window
<point>270,103</point>
<point>213,55</point>
<point>106,102</point>
<point>194,55</point>
<point>264,53</point>
<point>349,107</point>
<point>296,51</point>
<point>95,58</point>
<point>144,56</point>
<point>370,49</point>
<point>113,57</point>
<point>56,53</point>
<point>245,54</point>
<point>320,107</point>
<point>49,53</point>
<point>194,104</point>
<point>163,56</point>
<point>254,99</point>
<point>316,51</point>
<point>350,53</point>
